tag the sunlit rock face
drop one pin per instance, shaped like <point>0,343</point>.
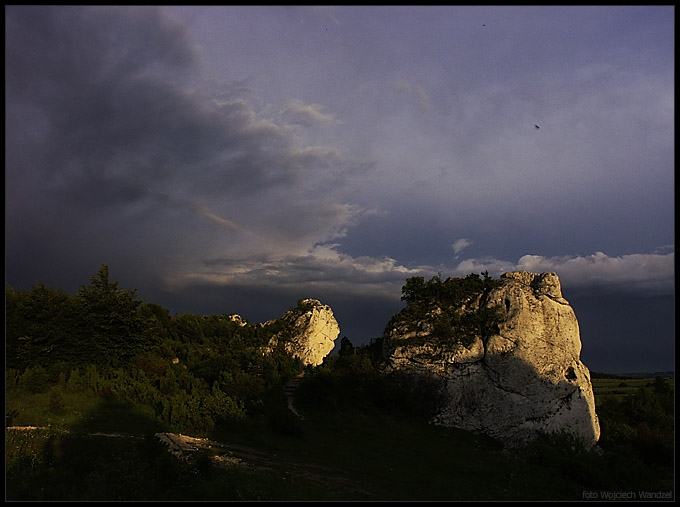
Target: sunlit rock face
<point>524,379</point>
<point>314,332</point>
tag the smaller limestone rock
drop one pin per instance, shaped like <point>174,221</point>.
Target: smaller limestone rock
<point>314,332</point>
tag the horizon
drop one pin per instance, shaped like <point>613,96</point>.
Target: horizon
<point>276,308</point>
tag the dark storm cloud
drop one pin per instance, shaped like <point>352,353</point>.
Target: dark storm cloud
<point>107,127</point>
<point>105,92</point>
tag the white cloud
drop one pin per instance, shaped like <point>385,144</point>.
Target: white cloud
<point>461,244</point>
<point>300,113</point>
<point>325,267</point>
<point>645,273</point>
<point>322,267</point>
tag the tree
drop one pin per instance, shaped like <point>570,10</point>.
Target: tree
<point>346,347</point>
<point>441,302</point>
<point>413,290</point>
<point>112,319</point>
<point>41,325</point>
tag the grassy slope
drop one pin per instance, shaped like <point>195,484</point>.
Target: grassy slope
<point>331,455</point>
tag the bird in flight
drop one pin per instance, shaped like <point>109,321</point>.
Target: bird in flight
<point>537,127</point>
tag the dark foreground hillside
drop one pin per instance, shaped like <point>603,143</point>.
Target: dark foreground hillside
<point>348,447</point>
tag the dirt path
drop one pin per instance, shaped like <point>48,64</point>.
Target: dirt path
<point>233,455</point>
<point>226,455</point>
<point>289,392</point>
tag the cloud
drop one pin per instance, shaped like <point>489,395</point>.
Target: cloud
<point>461,244</point>
<point>325,265</point>
<point>322,267</point>
<point>299,113</point>
<point>125,135</point>
<point>652,273</point>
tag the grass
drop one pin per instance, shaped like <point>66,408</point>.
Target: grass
<point>341,453</point>
<point>401,459</point>
<point>352,457</point>
<point>78,411</point>
<point>33,409</point>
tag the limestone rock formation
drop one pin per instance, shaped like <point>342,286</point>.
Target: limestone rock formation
<point>525,376</point>
<point>314,331</point>
<point>238,319</point>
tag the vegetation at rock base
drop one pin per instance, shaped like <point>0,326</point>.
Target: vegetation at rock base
<point>102,362</point>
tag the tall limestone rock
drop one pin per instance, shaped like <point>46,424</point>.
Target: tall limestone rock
<point>313,331</point>
<point>522,377</point>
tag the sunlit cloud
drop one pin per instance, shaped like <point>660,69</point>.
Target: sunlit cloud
<point>461,244</point>
<point>634,273</point>
<point>322,268</point>
<point>325,266</point>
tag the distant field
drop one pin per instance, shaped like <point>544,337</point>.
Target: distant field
<point>608,388</point>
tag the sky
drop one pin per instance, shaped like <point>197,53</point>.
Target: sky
<point>233,159</point>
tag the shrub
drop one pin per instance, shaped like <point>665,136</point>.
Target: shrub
<point>641,424</point>
<point>151,364</point>
<point>283,422</point>
<point>56,404</point>
<point>35,379</point>
<point>11,378</point>
<point>565,453</point>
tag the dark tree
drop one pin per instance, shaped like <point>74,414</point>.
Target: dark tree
<point>112,319</point>
<point>40,325</point>
<point>346,347</point>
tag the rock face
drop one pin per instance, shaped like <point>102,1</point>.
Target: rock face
<point>314,331</point>
<point>525,378</point>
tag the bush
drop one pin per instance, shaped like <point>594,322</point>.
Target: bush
<point>35,379</point>
<point>11,378</point>
<point>567,455</point>
<point>643,424</point>
<point>354,382</point>
<point>56,404</point>
<point>283,422</point>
